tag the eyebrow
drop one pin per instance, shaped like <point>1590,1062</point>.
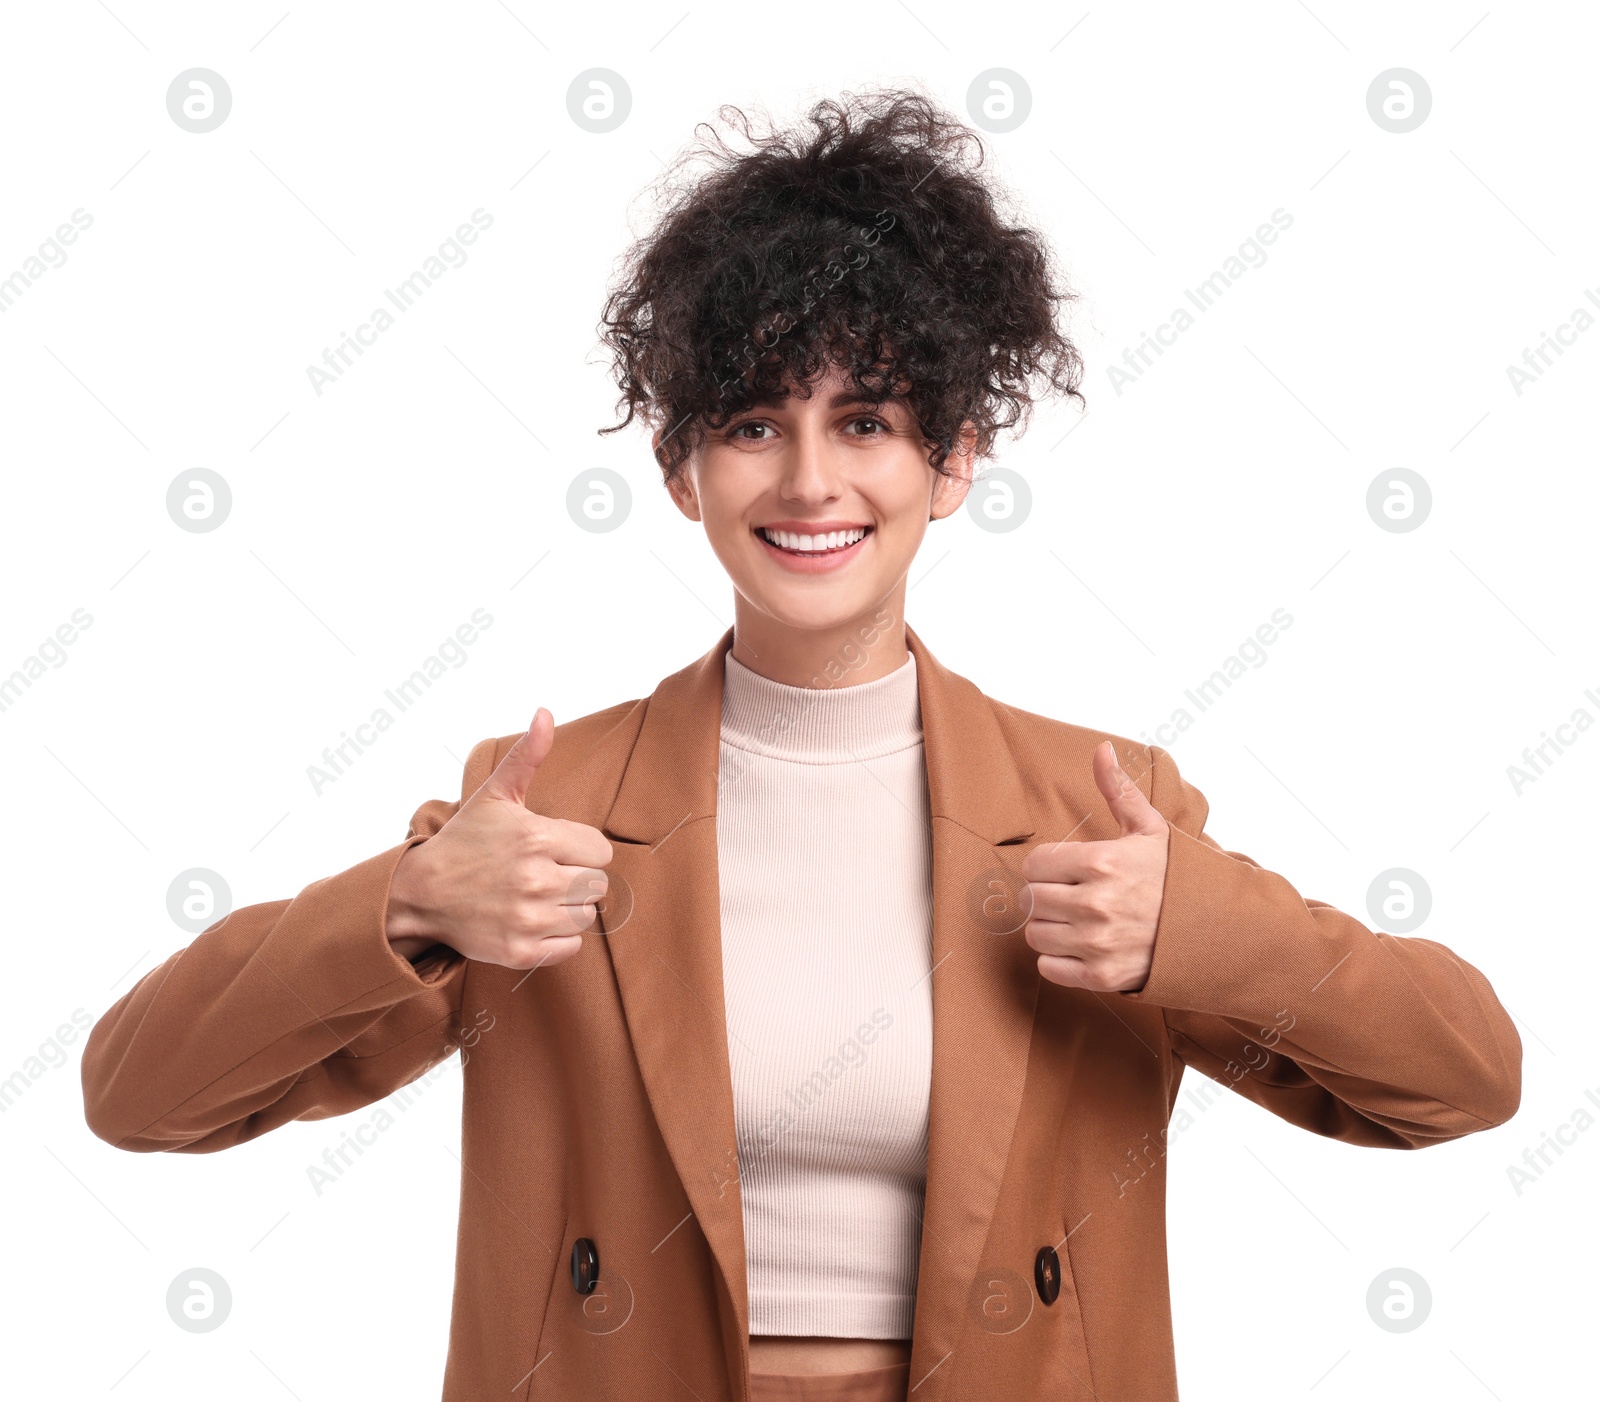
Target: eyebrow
<point>840,399</point>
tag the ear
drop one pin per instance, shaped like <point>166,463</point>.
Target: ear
<point>950,491</point>
<point>681,486</point>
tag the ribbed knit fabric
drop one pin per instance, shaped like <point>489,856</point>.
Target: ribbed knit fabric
<point>824,864</point>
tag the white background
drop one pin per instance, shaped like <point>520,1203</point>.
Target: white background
<point>430,480</point>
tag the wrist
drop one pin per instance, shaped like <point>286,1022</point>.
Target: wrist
<point>408,923</point>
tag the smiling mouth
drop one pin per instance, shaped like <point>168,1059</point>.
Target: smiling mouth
<point>831,543</point>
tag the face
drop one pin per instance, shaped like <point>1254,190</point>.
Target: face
<point>816,507</point>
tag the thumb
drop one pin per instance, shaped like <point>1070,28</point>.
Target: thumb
<point>1132,810</point>
<point>513,775</point>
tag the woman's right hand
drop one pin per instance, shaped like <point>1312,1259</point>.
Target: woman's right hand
<point>498,882</point>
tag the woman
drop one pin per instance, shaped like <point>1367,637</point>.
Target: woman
<point>859,1087</point>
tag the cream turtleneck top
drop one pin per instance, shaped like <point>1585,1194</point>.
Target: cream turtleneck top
<point>824,867</point>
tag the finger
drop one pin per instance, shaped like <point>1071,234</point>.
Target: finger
<point>574,844</point>
<point>582,886</point>
<point>1064,969</point>
<point>1052,900</point>
<point>560,948</point>
<point>1067,862</point>
<point>570,920</point>
<point>1058,937</point>
<point>1132,810</point>
<point>550,950</point>
<point>514,774</point>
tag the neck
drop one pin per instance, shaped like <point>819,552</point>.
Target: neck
<point>846,653</point>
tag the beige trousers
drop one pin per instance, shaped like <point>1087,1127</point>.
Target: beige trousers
<point>870,1385</point>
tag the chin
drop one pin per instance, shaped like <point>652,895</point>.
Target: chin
<point>815,613</point>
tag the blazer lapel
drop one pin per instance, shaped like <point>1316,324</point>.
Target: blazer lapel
<point>985,985</point>
<point>662,928</point>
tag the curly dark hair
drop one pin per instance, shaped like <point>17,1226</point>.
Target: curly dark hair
<point>870,244</point>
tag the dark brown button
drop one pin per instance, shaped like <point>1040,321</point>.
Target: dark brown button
<point>585,1266</point>
<point>1047,1274</point>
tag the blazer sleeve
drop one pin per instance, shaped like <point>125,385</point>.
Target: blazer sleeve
<point>1359,1035</point>
<point>288,1010</point>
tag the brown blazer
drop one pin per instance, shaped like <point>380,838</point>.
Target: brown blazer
<point>597,1096</point>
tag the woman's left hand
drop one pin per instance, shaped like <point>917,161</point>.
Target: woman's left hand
<point>1095,904</point>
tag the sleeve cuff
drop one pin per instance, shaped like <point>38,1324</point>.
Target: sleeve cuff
<point>1209,942</point>
<point>347,915</point>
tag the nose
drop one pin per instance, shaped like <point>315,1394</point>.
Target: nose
<point>810,471</point>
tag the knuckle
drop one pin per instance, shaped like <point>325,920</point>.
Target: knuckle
<point>1045,937</point>
<point>526,951</point>
<point>540,881</point>
<point>1099,946</point>
<point>531,913</point>
<point>508,950</point>
<point>1065,972</point>
<point>1096,979</point>
<point>1095,905</point>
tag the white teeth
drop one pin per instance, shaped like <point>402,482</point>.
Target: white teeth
<point>814,543</point>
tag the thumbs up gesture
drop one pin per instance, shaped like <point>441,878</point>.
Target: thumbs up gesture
<point>1095,904</point>
<point>498,882</point>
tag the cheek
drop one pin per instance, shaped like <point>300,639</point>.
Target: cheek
<point>724,518</point>
<point>902,524</point>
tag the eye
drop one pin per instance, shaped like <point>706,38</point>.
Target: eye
<point>869,419</point>
<point>738,429</point>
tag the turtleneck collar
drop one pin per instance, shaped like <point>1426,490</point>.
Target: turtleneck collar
<point>820,725</point>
